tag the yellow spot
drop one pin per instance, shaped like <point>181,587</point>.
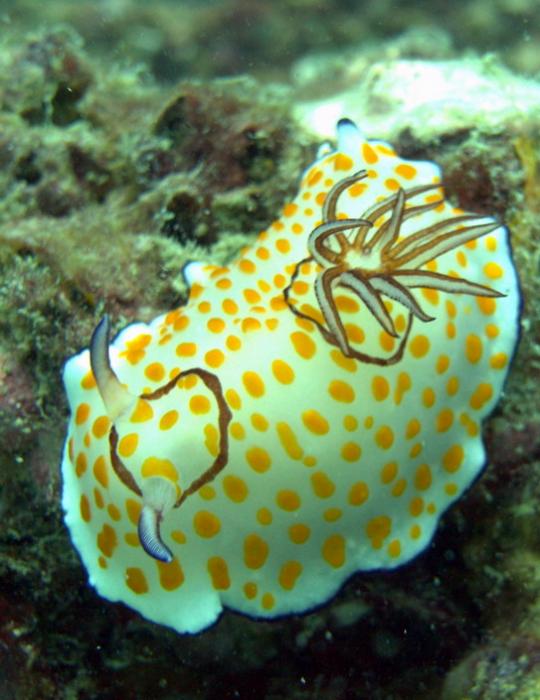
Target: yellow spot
<point>422,477</point>
<point>84,508</point>
<point>154,371</point>
<point>403,384</point>
<point>258,459</point>
<point>255,551</point>
<point>264,516</point>
<point>233,399</point>
<point>233,343</point>
<point>206,524</point>
<point>82,413</point>
<point>81,464</point>
<point>289,573</point>
<point>288,500</point>
<point>303,344</point>
<point>473,348</point>
<point>132,539</point>
<point>219,573</point>
<point>259,422</point>
<point>282,371</point>
<point>153,466</point>
<point>358,493</point>
<point>379,388</point>
<point>431,295</point>
<point>178,536</point>
<point>443,363</point>
<point>322,485</point>
<point>215,325</point>
<point>314,422</point>
<point>247,266</point>
<point>415,450</point>
<point>107,540</point>
<point>332,514</point>
<point>136,580</point>
<point>250,324</point>
<point>171,575</point>
<point>100,426</point>
<point>142,412</point>
<point>493,270</point>
<point>452,386</point>
<point>451,330</point>
<point>394,549</point>
<point>350,423</point>
<point>345,363</point>
<point>211,441</point>
<point>88,381</point>
<point>199,404</point>
<point>405,170</point>
<point>498,361</point>
<point>413,428</point>
<point>128,444</point>
<point>389,472</point>
<point>252,296</point>
<point>453,458</point>
<point>229,306</point>
<point>299,533</point>
<point>487,305</point>
<point>378,529</point>
<point>333,551</point>
<point>214,358</point>
<point>254,384</point>
<point>450,488</point>
<point>341,391</point>
<point>235,488</point>
<point>113,511</point>
<point>428,397</point>
<point>481,395</point>
<point>101,472</point>
<point>309,461</point>
<point>368,154</point>
<point>346,304</point>
<point>384,437</point>
<point>133,509</point>
<point>168,420</point>
<point>289,441</point>
<point>343,162</point>
<point>268,601</point>
<point>186,349</point>
<point>416,506</point>
<point>207,492</point>
<point>398,489</point>
<point>415,531</point>
<point>250,590</point>
<point>419,346</point>
<point>351,452</point>
<point>386,341</point>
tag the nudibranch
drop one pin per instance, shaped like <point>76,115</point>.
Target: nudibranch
<point>311,411</point>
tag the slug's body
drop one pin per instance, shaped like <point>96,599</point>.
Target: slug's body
<point>312,410</point>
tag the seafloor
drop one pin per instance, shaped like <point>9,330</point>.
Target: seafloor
<point>122,155</point>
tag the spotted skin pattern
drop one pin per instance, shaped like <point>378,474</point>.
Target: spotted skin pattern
<point>334,465</point>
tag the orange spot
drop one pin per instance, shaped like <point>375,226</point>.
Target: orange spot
<point>498,361</point>
<point>405,170</point>
<point>247,266</point>
<point>168,420</point>
<point>419,346</point>
<point>253,384</point>
<point>333,551</point>
<point>290,209</point>
<point>268,601</point>
<point>199,404</point>
<point>481,395</point>
<point>84,508</point>
<point>453,458</point>
<point>128,444</point>
<point>378,529</point>
<point>133,509</point>
<point>322,485</point>
<point>142,412</point>
<point>303,344</point>
<point>358,493</point>
<point>289,441</point>
<point>219,573</point>
<point>264,516</point>
<point>101,472</point>
<point>233,343</point>
<point>444,420</point>
<point>206,524</point>
<point>473,348</point>
<point>136,580</point>
<point>368,154</point>
<point>384,437</point>
<point>258,459</point>
<point>154,371</point>
<point>153,466</point>
<point>81,464</point>
<point>443,363</point>
<point>282,371</point>
<point>229,307</point>
<point>351,452</point>
<point>487,305</point>
<point>341,391</point>
<point>214,358</point>
<point>82,413</point>
<point>215,325</point>
<point>233,399</point>
<point>389,472</point>
<point>288,500</point>
<point>186,349</point>
<point>289,573</point>
<point>345,363</point>
<point>255,551</point>
<point>88,381</point>
<point>394,549</point>
<point>235,488</point>
<point>315,422</point>
<point>299,533</point>
<point>107,540</point>
<point>380,388</point>
<point>422,477</point>
<point>493,270</point>
<point>259,422</point>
